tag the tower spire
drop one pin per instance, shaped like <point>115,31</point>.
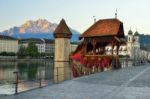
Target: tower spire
<point>130,27</point>
<point>94,19</point>
<point>116,14</point>
<point>136,29</point>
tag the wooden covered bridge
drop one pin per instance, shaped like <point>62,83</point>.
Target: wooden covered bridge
<point>90,56</point>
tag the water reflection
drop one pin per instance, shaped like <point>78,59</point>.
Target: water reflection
<point>29,74</point>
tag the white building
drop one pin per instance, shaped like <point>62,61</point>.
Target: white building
<point>8,44</point>
<point>49,46</point>
<point>43,45</point>
<point>133,45</point>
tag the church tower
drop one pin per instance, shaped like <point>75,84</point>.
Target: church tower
<point>136,39</point>
<point>130,36</point>
<point>62,36</point>
<point>136,46</point>
<point>130,43</point>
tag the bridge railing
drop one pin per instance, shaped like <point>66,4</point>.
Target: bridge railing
<point>127,62</point>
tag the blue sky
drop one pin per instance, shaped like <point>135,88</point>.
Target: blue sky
<point>77,13</point>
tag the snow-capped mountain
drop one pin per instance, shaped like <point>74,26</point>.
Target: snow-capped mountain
<point>40,28</point>
<point>40,25</point>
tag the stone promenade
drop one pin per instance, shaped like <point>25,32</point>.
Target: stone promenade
<point>127,83</point>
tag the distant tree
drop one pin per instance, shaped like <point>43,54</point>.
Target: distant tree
<point>32,50</point>
<point>7,54</point>
<point>11,54</point>
<point>22,52</point>
<point>4,54</point>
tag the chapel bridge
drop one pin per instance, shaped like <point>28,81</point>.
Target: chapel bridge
<point>90,56</point>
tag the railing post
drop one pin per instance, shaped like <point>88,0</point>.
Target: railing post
<point>57,74</point>
<point>16,82</point>
<point>40,80</point>
<point>127,62</point>
<point>70,70</point>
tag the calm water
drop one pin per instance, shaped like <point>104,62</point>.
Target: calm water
<point>30,74</point>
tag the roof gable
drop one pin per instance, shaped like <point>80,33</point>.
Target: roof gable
<point>7,37</point>
<point>105,27</point>
<point>62,28</point>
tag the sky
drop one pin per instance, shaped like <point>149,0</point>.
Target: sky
<point>135,14</point>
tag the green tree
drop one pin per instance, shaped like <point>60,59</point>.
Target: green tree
<point>11,54</point>
<point>7,54</point>
<point>4,54</point>
<point>22,52</point>
<point>32,50</point>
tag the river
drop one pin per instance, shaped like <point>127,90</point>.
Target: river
<point>31,74</point>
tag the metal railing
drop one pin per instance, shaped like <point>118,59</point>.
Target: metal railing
<point>39,82</point>
<point>127,62</point>
<point>24,84</point>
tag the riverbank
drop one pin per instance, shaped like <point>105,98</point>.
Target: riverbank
<point>22,59</point>
<point>8,57</point>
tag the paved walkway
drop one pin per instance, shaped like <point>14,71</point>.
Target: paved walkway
<point>127,83</point>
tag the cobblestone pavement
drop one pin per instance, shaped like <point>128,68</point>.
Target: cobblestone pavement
<point>127,83</point>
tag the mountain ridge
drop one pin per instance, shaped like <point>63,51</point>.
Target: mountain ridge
<point>40,28</point>
<point>37,26</point>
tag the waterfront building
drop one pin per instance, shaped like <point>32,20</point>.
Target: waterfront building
<point>49,46</point>
<point>8,44</point>
<point>43,45</point>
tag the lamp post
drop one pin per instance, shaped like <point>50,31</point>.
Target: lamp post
<point>17,81</point>
<point>133,56</point>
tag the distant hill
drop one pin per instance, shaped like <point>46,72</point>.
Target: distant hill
<point>37,29</point>
<point>145,40</point>
<point>74,38</point>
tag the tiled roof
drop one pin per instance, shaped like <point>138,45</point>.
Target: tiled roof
<point>7,37</point>
<point>136,33</point>
<point>30,40</point>
<point>49,41</point>
<point>130,32</point>
<point>105,27</point>
<point>62,29</point>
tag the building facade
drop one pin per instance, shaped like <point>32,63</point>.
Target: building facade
<point>8,44</point>
<point>43,45</point>
<point>133,45</point>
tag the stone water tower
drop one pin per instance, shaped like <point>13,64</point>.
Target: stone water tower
<point>62,36</point>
